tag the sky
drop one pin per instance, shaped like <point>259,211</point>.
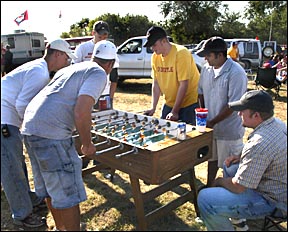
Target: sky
<point>43,16</point>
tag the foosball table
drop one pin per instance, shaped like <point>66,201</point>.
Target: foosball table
<point>157,151</point>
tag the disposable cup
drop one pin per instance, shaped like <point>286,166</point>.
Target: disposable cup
<point>201,119</point>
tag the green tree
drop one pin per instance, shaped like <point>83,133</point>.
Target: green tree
<point>121,28</point>
<point>191,20</point>
<point>267,19</point>
<point>229,26</point>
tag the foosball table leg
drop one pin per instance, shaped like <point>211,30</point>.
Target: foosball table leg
<point>139,203</point>
<point>193,187</point>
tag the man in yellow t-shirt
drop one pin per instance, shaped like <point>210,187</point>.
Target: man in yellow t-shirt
<point>233,52</point>
<point>175,75</point>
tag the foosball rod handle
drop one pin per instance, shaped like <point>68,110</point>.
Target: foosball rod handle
<point>120,146</point>
<point>103,142</point>
<point>134,151</point>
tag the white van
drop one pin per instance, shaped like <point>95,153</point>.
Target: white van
<point>25,46</point>
<point>250,51</point>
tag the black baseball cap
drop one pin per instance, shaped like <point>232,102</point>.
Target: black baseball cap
<point>153,34</point>
<point>213,44</point>
<point>258,100</point>
<point>101,27</point>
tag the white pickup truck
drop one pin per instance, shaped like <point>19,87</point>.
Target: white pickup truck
<point>135,60</point>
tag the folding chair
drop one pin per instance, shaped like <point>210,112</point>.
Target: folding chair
<point>266,79</point>
<point>278,216</point>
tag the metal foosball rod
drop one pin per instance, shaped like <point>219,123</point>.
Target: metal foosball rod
<point>123,122</point>
<point>106,120</point>
<point>103,142</point>
<point>117,123</point>
<point>110,123</point>
<point>134,134</point>
<point>120,146</point>
<point>104,115</point>
<point>94,138</point>
<point>133,151</point>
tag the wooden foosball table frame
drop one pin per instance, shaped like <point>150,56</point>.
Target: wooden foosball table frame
<point>167,164</point>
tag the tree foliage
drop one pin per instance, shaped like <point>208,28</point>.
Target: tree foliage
<point>267,19</point>
<point>192,21</point>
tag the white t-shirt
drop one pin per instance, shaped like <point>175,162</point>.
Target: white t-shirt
<point>50,114</point>
<point>18,88</point>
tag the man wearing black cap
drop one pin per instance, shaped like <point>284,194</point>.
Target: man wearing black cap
<point>175,75</point>
<point>221,80</point>
<point>84,52</point>
<point>256,183</point>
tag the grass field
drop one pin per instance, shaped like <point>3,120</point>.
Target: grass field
<point>110,204</point>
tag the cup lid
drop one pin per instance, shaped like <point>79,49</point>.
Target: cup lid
<point>201,109</point>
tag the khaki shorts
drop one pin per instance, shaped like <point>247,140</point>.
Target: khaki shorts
<point>224,148</point>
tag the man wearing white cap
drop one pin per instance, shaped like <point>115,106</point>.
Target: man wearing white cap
<point>18,87</point>
<point>50,119</point>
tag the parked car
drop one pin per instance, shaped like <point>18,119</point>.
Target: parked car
<point>250,51</point>
<point>135,60</point>
<point>198,46</point>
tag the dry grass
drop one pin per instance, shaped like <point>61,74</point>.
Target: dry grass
<point>110,204</point>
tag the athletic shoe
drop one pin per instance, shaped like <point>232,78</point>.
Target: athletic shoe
<point>40,206</point>
<point>239,224</point>
<point>32,221</point>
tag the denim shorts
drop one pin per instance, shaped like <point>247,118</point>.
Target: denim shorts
<point>57,170</point>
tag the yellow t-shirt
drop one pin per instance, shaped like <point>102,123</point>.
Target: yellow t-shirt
<point>177,66</point>
<point>233,53</point>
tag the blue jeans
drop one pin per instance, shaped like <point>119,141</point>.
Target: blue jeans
<point>217,205</point>
<point>186,114</point>
<point>14,176</point>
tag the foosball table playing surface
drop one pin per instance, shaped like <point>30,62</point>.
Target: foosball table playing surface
<point>153,150</point>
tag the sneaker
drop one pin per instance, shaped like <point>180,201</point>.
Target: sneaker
<point>32,221</point>
<point>239,224</point>
<point>40,206</point>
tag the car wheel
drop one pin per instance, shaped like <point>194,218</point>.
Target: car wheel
<point>247,64</point>
<point>267,51</point>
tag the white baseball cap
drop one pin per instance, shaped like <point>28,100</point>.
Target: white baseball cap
<point>106,50</point>
<point>62,45</point>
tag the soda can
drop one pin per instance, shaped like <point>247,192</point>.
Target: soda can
<point>181,131</point>
<point>108,102</point>
<point>102,103</point>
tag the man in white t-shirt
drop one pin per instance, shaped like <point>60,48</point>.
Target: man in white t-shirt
<point>18,88</point>
<point>84,52</point>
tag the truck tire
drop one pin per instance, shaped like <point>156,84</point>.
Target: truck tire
<point>268,51</point>
<point>247,64</point>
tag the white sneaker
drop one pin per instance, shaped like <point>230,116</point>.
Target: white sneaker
<point>239,224</point>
